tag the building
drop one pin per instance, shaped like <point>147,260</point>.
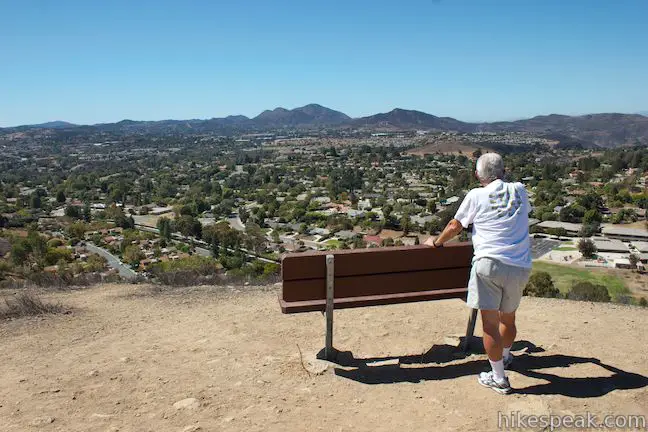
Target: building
<point>627,234</point>
<point>641,246</point>
<point>572,228</point>
<point>622,263</point>
<point>609,245</point>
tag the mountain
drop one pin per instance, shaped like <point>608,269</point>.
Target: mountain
<point>605,130</point>
<point>587,131</point>
<point>410,119</point>
<point>309,115</point>
<point>58,124</point>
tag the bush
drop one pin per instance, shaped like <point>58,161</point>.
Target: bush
<point>587,248</point>
<point>55,255</point>
<point>541,285</point>
<point>194,270</point>
<point>28,304</point>
<point>643,302</point>
<point>587,291</point>
<point>55,242</point>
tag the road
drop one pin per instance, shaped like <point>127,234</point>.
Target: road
<point>124,271</point>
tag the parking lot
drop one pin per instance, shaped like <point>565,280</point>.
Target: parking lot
<point>541,246</point>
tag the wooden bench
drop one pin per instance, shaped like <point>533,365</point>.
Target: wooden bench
<point>324,281</point>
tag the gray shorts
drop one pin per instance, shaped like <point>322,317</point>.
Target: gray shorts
<point>496,286</point>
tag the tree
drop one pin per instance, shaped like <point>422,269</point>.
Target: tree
<point>588,230</point>
<point>592,217</point>
<point>587,291</point>
<point>133,255</point>
<point>634,259</point>
<point>587,248</point>
<point>572,213</point>
<point>73,212</point>
<point>35,201</point>
<point>87,212</point>
<point>164,226</point>
<point>254,238</point>
<point>406,223</point>
<point>60,197</point>
<point>541,285</point>
<point>189,226</point>
<point>243,214</point>
<point>77,230</point>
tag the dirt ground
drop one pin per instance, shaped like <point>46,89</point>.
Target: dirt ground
<point>214,359</point>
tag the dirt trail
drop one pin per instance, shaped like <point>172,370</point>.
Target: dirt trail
<point>228,360</point>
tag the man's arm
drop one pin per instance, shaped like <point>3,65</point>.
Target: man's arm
<point>451,230</point>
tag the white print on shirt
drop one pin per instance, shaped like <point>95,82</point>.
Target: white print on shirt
<point>505,203</point>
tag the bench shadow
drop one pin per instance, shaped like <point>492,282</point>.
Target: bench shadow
<point>437,364</point>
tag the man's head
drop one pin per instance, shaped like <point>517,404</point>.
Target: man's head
<point>490,167</point>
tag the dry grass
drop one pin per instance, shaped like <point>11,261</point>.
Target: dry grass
<point>28,304</point>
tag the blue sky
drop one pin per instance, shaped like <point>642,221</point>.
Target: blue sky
<point>477,60</point>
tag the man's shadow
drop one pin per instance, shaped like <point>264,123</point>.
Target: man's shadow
<point>442,362</point>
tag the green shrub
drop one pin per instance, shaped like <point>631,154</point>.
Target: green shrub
<point>193,270</point>
<point>55,255</point>
<point>587,248</point>
<point>541,285</point>
<point>643,302</point>
<point>55,242</point>
<point>589,292</point>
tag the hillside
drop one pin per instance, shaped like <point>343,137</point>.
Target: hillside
<point>309,115</point>
<point>131,359</point>
<point>410,119</point>
<point>605,130</point>
<point>587,131</point>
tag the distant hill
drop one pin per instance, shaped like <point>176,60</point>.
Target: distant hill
<point>409,119</point>
<point>605,130</point>
<point>58,124</point>
<point>309,115</point>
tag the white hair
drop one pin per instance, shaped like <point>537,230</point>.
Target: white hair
<point>490,167</point>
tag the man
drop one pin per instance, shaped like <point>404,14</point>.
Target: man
<point>499,213</point>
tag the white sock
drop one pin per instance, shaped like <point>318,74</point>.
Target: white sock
<point>498,369</point>
<point>506,352</point>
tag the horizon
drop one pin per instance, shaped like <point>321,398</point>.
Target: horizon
<point>642,113</point>
<point>88,64</point>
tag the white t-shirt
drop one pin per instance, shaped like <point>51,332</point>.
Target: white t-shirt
<point>499,213</point>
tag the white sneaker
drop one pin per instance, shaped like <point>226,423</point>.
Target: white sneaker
<point>488,380</point>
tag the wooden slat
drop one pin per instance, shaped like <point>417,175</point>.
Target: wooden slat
<point>351,302</point>
<point>312,265</point>
<point>377,284</point>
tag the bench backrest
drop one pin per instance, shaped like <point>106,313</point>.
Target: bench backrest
<point>375,276</point>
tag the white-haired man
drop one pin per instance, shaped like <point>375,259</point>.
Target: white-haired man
<point>499,213</point>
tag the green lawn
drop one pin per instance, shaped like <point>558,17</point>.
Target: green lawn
<point>334,244</point>
<point>566,248</point>
<point>564,278</point>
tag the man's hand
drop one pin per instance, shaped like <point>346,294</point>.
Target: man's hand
<point>451,230</point>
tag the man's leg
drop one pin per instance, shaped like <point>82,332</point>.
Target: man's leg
<point>492,337</point>
<point>507,331</point>
<point>493,342</point>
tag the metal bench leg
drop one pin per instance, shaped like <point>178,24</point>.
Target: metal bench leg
<point>472,320</point>
<point>330,279</point>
